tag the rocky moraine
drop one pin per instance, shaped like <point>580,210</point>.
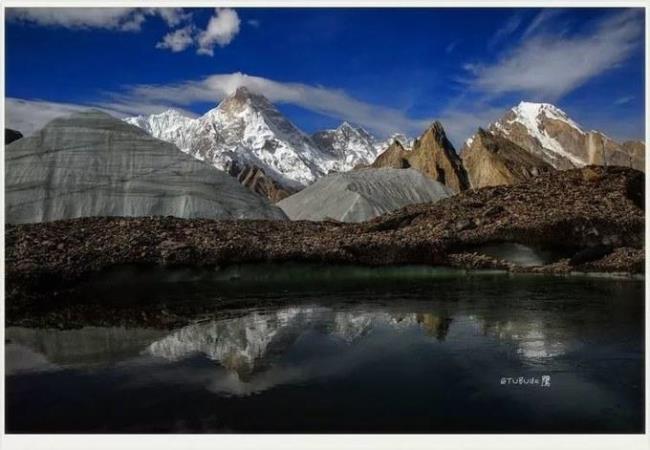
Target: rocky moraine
<point>593,215</point>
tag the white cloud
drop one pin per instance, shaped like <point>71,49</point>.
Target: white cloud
<point>548,66</point>
<point>329,102</point>
<point>119,19</point>
<point>511,25</point>
<point>221,30</point>
<point>177,40</point>
<point>125,19</point>
<point>171,16</point>
<point>253,22</point>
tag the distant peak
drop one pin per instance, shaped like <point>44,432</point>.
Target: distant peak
<point>531,111</point>
<point>242,91</point>
<point>437,129</point>
<point>172,112</point>
<point>243,94</point>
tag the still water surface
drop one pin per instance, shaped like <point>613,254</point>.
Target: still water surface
<point>490,353</point>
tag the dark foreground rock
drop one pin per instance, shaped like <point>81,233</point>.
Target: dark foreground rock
<point>12,135</point>
<point>593,215</point>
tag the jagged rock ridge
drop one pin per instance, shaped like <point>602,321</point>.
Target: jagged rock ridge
<point>432,154</point>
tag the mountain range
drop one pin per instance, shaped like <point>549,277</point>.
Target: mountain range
<point>248,137</point>
<point>246,134</point>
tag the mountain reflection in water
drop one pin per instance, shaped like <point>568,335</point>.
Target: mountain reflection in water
<point>372,364</point>
<point>246,345</point>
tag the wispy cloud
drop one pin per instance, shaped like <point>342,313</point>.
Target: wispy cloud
<point>29,115</point>
<point>624,100</point>
<point>508,28</point>
<point>548,66</point>
<point>451,46</point>
<point>541,20</point>
<point>253,23</point>
<point>119,19</point>
<point>330,102</point>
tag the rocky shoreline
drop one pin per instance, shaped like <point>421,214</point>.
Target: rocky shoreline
<point>594,215</point>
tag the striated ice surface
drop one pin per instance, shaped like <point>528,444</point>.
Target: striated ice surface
<point>361,195</point>
<point>91,164</point>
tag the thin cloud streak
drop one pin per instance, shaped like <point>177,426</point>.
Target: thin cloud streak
<point>511,25</point>
<point>547,66</point>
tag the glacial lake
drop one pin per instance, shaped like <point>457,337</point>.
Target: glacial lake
<point>412,350</point>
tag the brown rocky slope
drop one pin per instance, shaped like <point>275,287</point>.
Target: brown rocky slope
<point>595,214</point>
<point>492,160</point>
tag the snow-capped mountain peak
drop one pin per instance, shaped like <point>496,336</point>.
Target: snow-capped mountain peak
<point>403,140</point>
<point>169,125</point>
<point>247,130</point>
<point>348,145</point>
<point>547,132</point>
<point>531,114</point>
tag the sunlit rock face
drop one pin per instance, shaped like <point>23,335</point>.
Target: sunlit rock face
<point>361,195</point>
<point>431,154</point>
<point>92,164</point>
<point>492,160</point>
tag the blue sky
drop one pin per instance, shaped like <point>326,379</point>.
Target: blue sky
<point>387,70</point>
